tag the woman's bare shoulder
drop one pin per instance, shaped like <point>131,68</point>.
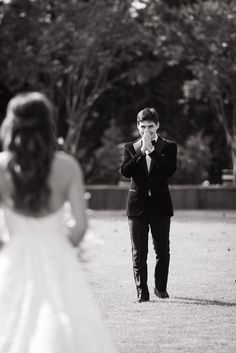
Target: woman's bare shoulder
<point>64,158</point>
<point>65,164</point>
<point>4,158</point>
<point>4,155</point>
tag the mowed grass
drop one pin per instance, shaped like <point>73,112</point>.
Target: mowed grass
<point>199,316</point>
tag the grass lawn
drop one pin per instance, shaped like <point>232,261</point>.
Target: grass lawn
<point>200,315</point>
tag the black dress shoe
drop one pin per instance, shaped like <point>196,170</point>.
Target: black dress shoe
<point>141,300</point>
<point>162,295</point>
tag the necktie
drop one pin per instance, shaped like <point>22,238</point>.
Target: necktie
<point>148,161</point>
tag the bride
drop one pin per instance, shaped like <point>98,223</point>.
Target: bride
<point>45,303</point>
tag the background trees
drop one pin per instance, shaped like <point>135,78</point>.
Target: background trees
<point>206,35</point>
<point>103,61</point>
<point>213,63</point>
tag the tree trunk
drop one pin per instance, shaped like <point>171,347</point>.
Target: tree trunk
<point>70,141</point>
<point>73,136</point>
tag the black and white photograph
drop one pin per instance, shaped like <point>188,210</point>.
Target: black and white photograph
<point>117,176</point>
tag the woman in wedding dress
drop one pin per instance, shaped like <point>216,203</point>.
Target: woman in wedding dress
<point>45,303</point>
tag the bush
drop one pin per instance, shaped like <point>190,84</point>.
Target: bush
<point>107,158</point>
<point>194,159</point>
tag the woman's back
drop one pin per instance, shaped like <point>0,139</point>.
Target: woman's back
<point>36,179</point>
<point>46,305</point>
<point>65,182</point>
<point>59,180</point>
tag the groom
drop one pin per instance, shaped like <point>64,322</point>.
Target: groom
<point>149,162</point>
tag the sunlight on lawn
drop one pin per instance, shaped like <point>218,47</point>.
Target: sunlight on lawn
<point>200,315</point>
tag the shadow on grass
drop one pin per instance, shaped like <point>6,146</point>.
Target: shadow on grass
<point>190,301</point>
<point>194,301</point>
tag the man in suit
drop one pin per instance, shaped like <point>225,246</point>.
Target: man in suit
<point>149,162</point>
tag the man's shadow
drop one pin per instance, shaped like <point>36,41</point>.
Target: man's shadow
<point>202,302</point>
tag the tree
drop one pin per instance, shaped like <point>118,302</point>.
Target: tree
<point>31,47</point>
<point>206,32</point>
<point>96,53</point>
<point>107,157</point>
<point>194,159</point>
<point>73,51</point>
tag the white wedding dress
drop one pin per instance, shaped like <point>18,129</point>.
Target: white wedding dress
<point>45,302</point>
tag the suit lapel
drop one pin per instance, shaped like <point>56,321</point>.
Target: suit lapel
<point>151,166</point>
<point>137,145</point>
<point>159,146</point>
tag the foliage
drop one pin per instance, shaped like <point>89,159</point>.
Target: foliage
<point>97,50</point>
<point>107,158</point>
<point>193,161</point>
<point>73,51</point>
<point>206,32</point>
<point>106,59</point>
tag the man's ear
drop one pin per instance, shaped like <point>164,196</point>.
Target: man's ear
<point>158,125</point>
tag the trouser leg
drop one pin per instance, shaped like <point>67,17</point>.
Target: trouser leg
<point>160,228</point>
<point>139,244</point>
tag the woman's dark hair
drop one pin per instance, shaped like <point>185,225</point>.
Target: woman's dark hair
<point>31,139</point>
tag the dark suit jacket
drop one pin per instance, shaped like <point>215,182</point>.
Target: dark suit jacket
<point>163,165</point>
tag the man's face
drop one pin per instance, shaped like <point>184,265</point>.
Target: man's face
<point>148,127</point>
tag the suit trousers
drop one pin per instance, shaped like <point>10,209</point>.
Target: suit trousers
<point>139,230</point>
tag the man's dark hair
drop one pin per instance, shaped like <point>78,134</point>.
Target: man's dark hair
<point>148,114</point>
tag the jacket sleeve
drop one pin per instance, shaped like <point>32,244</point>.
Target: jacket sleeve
<point>166,159</point>
<point>130,161</point>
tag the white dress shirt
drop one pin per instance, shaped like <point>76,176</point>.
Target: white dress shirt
<point>148,158</point>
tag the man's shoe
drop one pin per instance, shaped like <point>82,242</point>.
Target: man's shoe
<point>161,295</point>
<point>141,300</point>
